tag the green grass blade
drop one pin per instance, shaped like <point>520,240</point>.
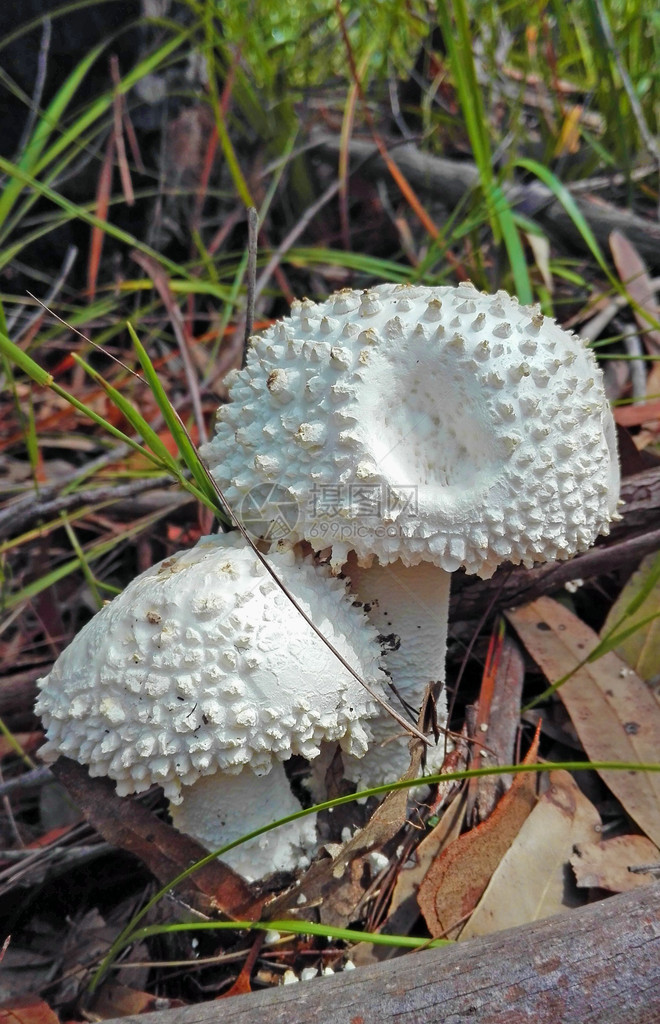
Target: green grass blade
<point>502,212</point>
<point>293,927</point>
<point>457,37</point>
<point>41,377</point>
<point>46,124</point>
<point>81,213</point>
<point>31,590</point>
<point>645,591</point>
<point>615,635</point>
<point>613,639</point>
<point>128,932</point>
<point>103,104</point>
<point>226,145</point>
<point>157,454</point>
<point>185,446</point>
<point>136,420</point>
<point>15,745</point>
<point>84,564</point>
<point>25,415</point>
<point>562,194</point>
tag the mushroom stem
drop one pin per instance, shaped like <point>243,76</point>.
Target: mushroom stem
<point>409,607</point>
<point>218,811</point>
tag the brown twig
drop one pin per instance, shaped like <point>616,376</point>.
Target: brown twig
<point>251,278</point>
<point>21,515</point>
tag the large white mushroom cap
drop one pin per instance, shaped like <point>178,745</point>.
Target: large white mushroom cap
<point>202,664</point>
<point>422,424</point>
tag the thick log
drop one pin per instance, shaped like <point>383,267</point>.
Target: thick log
<point>598,964</point>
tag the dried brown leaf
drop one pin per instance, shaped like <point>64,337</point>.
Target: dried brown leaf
<point>642,412</point>
<point>531,881</point>
<point>641,650</point>
<point>606,865</point>
<point>613,711</point>
<point>28,1011</point>
<point>498,718</point>
<point>457,879</point>
<point>115,1000</point>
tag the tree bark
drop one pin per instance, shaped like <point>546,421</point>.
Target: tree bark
<point>598,964</point>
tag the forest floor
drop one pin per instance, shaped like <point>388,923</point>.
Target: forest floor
<point>379,148</point>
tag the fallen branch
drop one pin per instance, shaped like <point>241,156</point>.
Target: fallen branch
<point>600,963</point>
<point>450,180</point>
<point>22,513</point>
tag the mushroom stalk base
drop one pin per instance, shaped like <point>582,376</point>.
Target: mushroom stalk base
<point>218,809</point>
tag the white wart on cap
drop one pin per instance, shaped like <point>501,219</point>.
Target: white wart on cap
<point>203,666</point>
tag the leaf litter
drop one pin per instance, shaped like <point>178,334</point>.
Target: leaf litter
<point>457,878</point>
<point>531,881</point>
<point>613,711</point>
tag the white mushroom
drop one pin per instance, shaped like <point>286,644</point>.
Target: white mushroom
<point>203,666</point>
<point>417,425</point>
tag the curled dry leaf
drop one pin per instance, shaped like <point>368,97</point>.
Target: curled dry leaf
<point>606,865</point>
<point>337,884</point>
<point>116,1000</point>
<point>243,984</point>
<point>498,719</point>
<point>404,909</point>
<point>613,711</point>
<point>457,878</point>
<point>531,881</point>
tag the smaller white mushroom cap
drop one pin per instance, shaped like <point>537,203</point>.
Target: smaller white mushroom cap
<point>203,664</point>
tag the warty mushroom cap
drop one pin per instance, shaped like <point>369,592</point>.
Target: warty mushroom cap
<point>424,424</point>
<point>202,664</point>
